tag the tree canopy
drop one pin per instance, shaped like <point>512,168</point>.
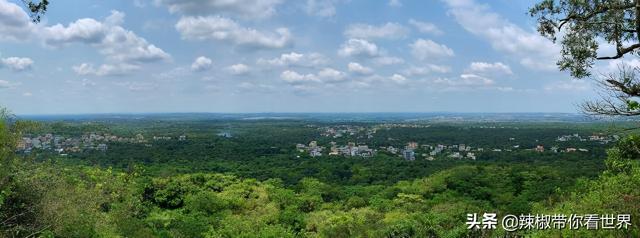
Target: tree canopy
<point>583,27</point>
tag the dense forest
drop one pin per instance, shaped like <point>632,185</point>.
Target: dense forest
<point>255,184</point>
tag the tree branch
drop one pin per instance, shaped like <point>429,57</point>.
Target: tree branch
<point>621,51</point>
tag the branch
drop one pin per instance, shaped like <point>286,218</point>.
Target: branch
<point>574,16</point>
<point>621,51</point>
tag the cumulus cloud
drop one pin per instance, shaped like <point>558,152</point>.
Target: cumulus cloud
<point>357,68</point>
<point>321,8</point>
<point>201,64</point>
<point>532,50</point>
<point>17,63</point>
<point>15,24</point>
<point>238,69</point>
<point>489,68</point>
<point>425,27</point>
<point>387,60</point>
<point>427,49</point>
<point>426,69</point>
<point>465,81</point>
<point>398,78</point>
<point>225,29</point>
<point>293,77</point>
<point>326,75</point>
<point>240,8</point>
<point>390,30</point>
<point>113,41</point>
<point>331,75</point>
<point>296,59</point>
<point>104,69</point>
<point>123,49</point>
<point>358,47</point>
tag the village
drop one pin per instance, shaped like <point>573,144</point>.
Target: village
<point>86,142</point>
<point>412,150</point>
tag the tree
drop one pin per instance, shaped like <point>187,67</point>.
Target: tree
<point>36,10</point>
<point>584,26</point>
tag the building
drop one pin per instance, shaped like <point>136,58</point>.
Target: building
<point>409,155</point>
<point>102,147</point>
<point>471,156</point>
<point>539,148</point>
<point>412,145</point>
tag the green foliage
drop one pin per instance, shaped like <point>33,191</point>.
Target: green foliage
<point>583,24</point>
<point>36,9</point>
<point>277,196</point>
<point>621,158</point>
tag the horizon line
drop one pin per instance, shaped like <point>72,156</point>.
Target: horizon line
<point>285,112</point>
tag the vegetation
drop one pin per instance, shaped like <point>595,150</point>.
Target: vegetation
<point>211,186</point>
<point>584,27</point>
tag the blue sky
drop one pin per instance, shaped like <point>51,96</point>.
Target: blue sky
<point>280,56</point>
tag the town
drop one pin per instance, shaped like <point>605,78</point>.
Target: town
<point>86,142</point>
<point>354,143</point>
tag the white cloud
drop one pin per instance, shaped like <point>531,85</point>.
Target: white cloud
<point>321,8</point>
<point>123,49</point>
<point>472,79</point>
<point>138,86</point>
<point>17,63</point>
<point>296,59</point>
<point>224,29</point>
<point>358,47</point>
<point>326,75</point>
<point>27,94</point>
<point>15,24</point>
<point>613,66</point>
<point>465,81</point>
<point>5,84</point>
<point>390,30</point>
<point>359,69</point>
<point>398,78</point>
<point>201,64</point>
<point>489,68</point>
<point>425,27</point>
<point>426,69</point>
<point>533,50</point>
<point>238,69</point>
<point>571,85</point>
<point>248,86</point>
<point>248,9</point>
<point>395,3</point>
<point>427,49</point>
<point>296,78</point>
<point>112,40</point>
<point>104,69</point>
<point>387,60</point>
<point>331,75</point>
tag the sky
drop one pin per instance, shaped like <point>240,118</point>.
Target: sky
<point>145,56</point>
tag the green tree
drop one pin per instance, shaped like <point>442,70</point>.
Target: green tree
<point>36,8</point>
<point>583,27</point>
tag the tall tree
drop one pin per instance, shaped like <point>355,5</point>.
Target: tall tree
<point>583,25</point>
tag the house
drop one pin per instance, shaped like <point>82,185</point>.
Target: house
<point>409,155</point>
<point>471,156</point>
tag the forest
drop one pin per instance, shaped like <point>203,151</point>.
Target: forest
<point>255,184</point>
